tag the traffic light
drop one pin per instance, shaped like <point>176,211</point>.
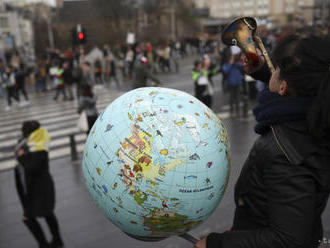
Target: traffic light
<point>79,35</point>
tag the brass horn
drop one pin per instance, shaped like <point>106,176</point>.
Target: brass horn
<point>242,33</point>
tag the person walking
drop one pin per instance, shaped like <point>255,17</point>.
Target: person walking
<point>20,83</point>
<point>34,183</point>
<point>203,86</point>
<point>143,74</point>
<point>129,60</point>
<point>59,84</point>
<point>233,71</point>
<point>284,185</point>
<point>121,65</point>
<point>68,79</point>
<point>87,103</point>
<point>98,71</point>
<point>111,70</point>
<point>2,80</point>
<point>84,77</point>
<point>40,75</point>
<point>10,82</point>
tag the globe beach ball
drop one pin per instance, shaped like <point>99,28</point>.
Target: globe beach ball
<point>156,162</point>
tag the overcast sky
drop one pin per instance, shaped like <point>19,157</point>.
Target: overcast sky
<point>52,2</point>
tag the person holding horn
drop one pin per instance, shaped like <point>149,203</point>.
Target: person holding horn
<point>284,185</point>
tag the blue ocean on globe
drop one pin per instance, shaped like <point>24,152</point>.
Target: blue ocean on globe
<point>156,162</point>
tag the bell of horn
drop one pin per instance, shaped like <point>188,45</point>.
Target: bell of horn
<point>241,33</point>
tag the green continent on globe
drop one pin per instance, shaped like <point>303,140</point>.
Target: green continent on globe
<point>137,161</point>
<point>163,222</point>
<point>140,197</point>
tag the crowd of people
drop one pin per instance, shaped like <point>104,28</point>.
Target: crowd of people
<point>280,185</point>
<point>284,188</point>
<point>62,71</point>
<point>66,70</point>
<point>216,58</point>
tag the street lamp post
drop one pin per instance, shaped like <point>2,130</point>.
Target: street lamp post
<point>50,34</point>
<point>173,22</point>
<point>47,15</point>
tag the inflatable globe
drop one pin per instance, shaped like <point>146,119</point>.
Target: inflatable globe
<point>156,162</point>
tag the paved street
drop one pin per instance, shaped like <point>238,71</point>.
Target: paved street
<point>81,223</point>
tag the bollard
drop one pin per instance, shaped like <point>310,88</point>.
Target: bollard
<point>245,106</point>
<point>74,155</point>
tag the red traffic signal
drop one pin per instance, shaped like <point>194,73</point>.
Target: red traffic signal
<point>80,36</point>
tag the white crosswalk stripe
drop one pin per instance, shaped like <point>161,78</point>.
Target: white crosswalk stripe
<point>59,118</point>
<point>47,122</point>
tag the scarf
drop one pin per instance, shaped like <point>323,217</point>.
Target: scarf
<point>38,140</point>
<point>273,108</point>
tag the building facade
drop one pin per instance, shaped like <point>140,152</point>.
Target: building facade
<point>322,12</point>
<point>279,12</point>
<point>15,31</point>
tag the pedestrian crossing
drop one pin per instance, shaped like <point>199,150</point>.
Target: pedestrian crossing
<point>59,118</point>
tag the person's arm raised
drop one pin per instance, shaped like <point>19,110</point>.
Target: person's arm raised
<point>260,72</point>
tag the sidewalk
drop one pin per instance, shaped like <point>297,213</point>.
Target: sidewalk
<point>82,223</point>
<point>84,226</point>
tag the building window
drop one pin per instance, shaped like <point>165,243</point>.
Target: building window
<point>4,22</point>
<point>290,6</point>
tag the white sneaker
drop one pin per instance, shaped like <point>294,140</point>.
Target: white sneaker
<point>21,104</point>
<point>7,108</point>
<point>26,103</point>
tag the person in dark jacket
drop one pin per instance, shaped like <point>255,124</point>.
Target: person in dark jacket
<point>40,75</point>
<point>87,103</point>
<point>34,183</point>
<point>142,74</point>
<point>10,82</point>
<point>20,82</point>
<point>68,79</point>
<point>284,185</point>
<point>234,78</point>
<point>111,70</point>
<point>83,76</point>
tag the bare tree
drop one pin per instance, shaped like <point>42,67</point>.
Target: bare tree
<point>117,15</point>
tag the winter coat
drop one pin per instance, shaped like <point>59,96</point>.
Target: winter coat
<point>88,103</point>
<point>68,76</point>
<point>34,183</point>
<point>233,74</point>
<point>20,77</point>
<point>142,74</point>
<point>281,192</point>
<point>59,83</point>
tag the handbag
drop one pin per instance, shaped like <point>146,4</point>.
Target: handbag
<point>82,123</point>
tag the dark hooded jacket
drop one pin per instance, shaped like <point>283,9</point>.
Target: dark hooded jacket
<point>142,74</point>
<point>34,182</point>
<point>282,190</point>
